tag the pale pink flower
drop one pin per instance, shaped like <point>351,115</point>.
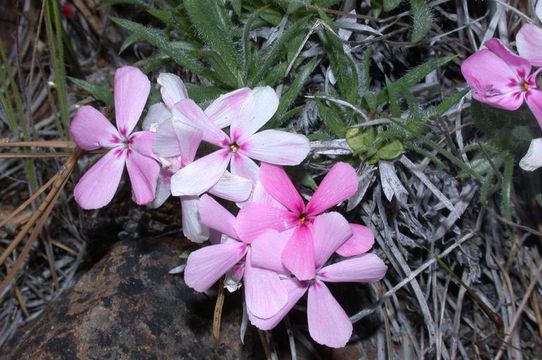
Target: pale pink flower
<point>291,212</point>
<point>502,79</point>
<point>533,159</point>
<point>528,42</point>
<point>90,130</point>
<point>242,144</point>
<point>265,294</point>
<point>176,144</point>
<point>328,323</point>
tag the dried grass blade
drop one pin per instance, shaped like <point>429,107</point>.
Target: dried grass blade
<point>217,317</point>
<point>34,155</point>
<point>40,143</point>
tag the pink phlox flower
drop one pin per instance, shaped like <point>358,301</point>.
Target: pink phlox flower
<point>502,79</point>
<point>292,213</point>
<point>176,144</point>
<point>90,130</point>
<point>241,146</point>
<point>328,323</point>
<point>528,40</point>
<point>265,293</point>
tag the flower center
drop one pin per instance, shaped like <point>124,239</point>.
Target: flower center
<point>234,147</point>
<point>525,86</point>
<point>303,218</point>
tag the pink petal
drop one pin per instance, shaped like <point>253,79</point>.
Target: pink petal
<point>329,232</point>
<point>263,104</point>
<point>142,141</point>
<point>260,195</point>
<point>193,229</point>
<point>163,191</point>
<point>90,130</point>
<point>143,172</point>
<point>205,266</point>
<point>534,101</point>
<point>190,113</point>
<point>267,250</point>
<point>340,183</point>
<point>174,138</point>
<point>277,183</point>
<point>276,147</point>
<point>216,217</point>
<point>229,106</point>
<point>242,165</point>
<point>364,268</point>
<point>521,66</point>
<point>528,41</point>
<point>97,187</point>
<point>298,254</point>
<point>295,291</point>
<point>197,177</point>
<point>157,114</point>
<point>265,293</point>
<point>172,89</point>
<point>232,187</point>
<point>254,219</point>
<point>328,323</point>
<point>533,159</point>
<point>497,86</point>
<point>131,90</point>
<point>361,241</point>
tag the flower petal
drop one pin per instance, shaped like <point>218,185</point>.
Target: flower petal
<point>265,293</point>
<point>216,217</point>
<point>361,241</point>
<point>244,166</point>
<point>90,130</point>
<point>97,187</point>
<point>521,66</point>
<point>295,291</point>
<point>364,268</point>
<point>528,41</point>
<point>206,265</point>
<point>328,323</point>
<point>534,101</point>
<point>193,229</point>
<point>277,183</point>
<point>172,89</point>
<point>157,114</point>
<point>189,112</point>
<point>131,90</point>
<point>229,106</point>
<point>497,87</point>
<point>254,219</point>
<point>329,232</point>
<point>197,177</point>
<point>538,10</point>
<point>263,104</point>
<point>142,141</point>
<point>340,183</point>
<point>267,250</point>
<point>533,159</point>
<point>232,187</point>
<point>298,254</point>
<point>276,147</point>
<point>163,186</point>
<point>174,138</point>
<point>143,172</point>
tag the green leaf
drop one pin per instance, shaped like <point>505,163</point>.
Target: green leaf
<point>291,93</point>
<point>214,27</point>
<point>237,6</point>
<point>421,19</point>
<point>389,5</point>
<point>201,93</point>
<point>361,140</point>
<point>332,120</point>
<point>99,92</point>
<point>393,97</point>
<point>159,39</point>
<point>390,151</point>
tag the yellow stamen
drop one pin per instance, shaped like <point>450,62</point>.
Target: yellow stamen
<point>302,219</point>
<point>525,86</point>
<point>234,147</point>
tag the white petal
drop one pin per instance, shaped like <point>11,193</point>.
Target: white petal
<point>533,159</point>
<point>172,89</point>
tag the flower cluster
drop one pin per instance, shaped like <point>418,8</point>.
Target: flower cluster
<point>505,80</point>
<point>277,246</point>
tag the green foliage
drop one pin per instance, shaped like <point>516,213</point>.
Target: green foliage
<point>421,20</point>
<point>332,119</point>
<point>99,92</point>
<point>369,146</point>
